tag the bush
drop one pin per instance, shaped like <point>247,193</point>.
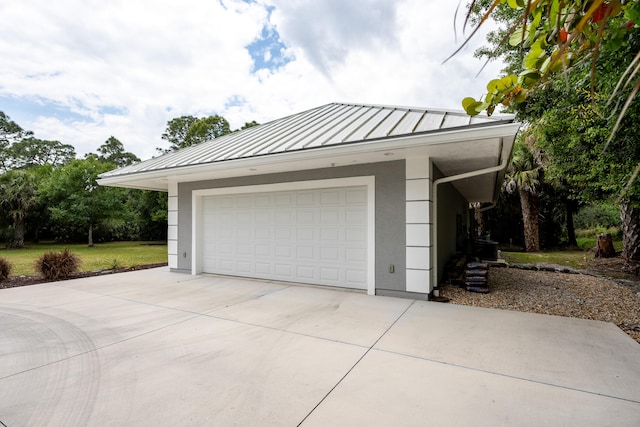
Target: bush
<point>5,269</point>
<point>57,265</point>
<point>601,215</point>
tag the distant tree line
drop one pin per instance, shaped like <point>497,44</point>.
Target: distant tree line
<point>46,193</point>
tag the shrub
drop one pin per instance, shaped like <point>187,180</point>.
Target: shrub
<point>598,215</point>
<point>57,265</point>
<point>5,269</point>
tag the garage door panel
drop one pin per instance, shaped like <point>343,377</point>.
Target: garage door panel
<point>283,199</point>
<point>305,199</point>
<point>329,253</point>
<point>330,275</point>
<point>305,233</point>
<point>283,271</point>
<point>331,197</point>
<point>263,200</point>
<point>356,196</point>
<point>283,217</point>
<point>283,251</point>
<point>310,236</point>
<point>356,277</point>
<point>330,216</point>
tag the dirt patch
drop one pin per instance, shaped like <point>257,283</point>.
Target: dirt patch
<point>15,281</point>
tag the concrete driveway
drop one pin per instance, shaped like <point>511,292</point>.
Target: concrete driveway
<point>154,348</point>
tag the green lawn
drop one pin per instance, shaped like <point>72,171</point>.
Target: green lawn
<point>576,259</point>
<point>102,256</point>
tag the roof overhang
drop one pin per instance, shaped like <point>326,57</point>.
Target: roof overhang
<point>453,151</point>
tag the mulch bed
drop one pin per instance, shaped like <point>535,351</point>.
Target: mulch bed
<point>15,281</point>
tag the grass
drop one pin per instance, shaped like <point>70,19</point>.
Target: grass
<point>574,259</point>
<point>102,256</point>
<point>570,258</point>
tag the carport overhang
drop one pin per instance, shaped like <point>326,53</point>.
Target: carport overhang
<point>453,152</point>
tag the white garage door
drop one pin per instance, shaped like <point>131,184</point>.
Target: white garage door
<point>314,236</point>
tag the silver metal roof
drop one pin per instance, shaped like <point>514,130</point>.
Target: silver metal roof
<point>329,125</point>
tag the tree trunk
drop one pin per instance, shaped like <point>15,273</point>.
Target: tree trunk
<point>529,205</point>
<point>18,236</point>
<point>630,217</point>
<point>605,246</point>
<point>90,235</point>
<point>571,230</point>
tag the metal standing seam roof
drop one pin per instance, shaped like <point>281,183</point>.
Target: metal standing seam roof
<point>327,125</point>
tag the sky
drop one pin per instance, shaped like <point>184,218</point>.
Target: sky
<point>80,71</point>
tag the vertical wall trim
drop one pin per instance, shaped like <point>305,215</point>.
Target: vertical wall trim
<point>172,226</point>
<point>418,225</point>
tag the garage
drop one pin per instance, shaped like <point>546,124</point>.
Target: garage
<point>317,236</point>
<point>346,195</point>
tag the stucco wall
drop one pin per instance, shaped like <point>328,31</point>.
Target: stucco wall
<point>389,212</point>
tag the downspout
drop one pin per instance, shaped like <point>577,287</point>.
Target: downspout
<point>503,164</point>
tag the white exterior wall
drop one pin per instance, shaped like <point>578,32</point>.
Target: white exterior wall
<point>418,225</point>
<point>172,226</point>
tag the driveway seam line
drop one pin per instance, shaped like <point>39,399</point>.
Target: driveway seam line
<point>355,364</point>
<point>470,368</point>
<point>272,328</point>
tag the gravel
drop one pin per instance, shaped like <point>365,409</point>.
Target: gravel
<point>559,294</point>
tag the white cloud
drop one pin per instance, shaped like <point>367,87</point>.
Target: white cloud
<point>125,68</point>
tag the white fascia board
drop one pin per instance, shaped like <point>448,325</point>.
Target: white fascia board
<point>295,157</point>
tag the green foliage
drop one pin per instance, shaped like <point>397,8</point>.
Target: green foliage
<point>207,128</point>
<point>587,239</point>
<point>525,169</point>
<point>250,124</point>
<point>46,193</point>
<point>10,132</point>
<point>32,152</point>
<point>601,215</point>
<point>57,265</point>
<point>5,269</point>
<point>551,37</point>
<point>75,199</point>
<point>573,259</point>
<point>98,257</point>
<point>186,131</point>
<point>115,264</point>
<point>18,195</point>
<point>112,151</point>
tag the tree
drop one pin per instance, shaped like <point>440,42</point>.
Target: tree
<point>10,132</point>
<point>112,151</point>
<point>186,131</point>
<point>250,124</point>
<point>76,200</point>
<point>30,152</point>
<point>553,36</point>
<point>176,133</point>
<point>207,128</point>
<point>18,196</point>
<point>524,176</point>
<point>578,93</point>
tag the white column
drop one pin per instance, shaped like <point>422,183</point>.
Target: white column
<point>418,225</point>
<point>172,223</point>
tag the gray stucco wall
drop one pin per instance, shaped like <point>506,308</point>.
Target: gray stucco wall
<point>390,212</point>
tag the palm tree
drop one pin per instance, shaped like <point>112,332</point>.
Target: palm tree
<point>524,174</point>
<point>17,196</point>
<point>630,216</point>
